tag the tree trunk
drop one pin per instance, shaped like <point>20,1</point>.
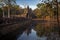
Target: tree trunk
<point>3,12</point>
<point>57,13</point>
<point>8,12</point>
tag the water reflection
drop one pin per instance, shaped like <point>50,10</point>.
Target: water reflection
<point>40,31</point>
<point>31,36</point>
<point>35,31</point>
<point>51,31</point>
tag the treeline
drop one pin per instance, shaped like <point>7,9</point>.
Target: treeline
<point>9,7</point>
<point>14,10</point>
<point>44,9</point>
<point>47,8</point>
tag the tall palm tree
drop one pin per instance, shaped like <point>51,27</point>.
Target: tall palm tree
<point>3,12</point>
<point>2,5</point>
<point>9,3</point>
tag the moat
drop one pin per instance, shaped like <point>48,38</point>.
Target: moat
<point>36,30</point>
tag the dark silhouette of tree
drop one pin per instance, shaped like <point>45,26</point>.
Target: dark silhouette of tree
<point>57,13</point>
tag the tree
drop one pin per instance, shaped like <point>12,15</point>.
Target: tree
<point>37,13</point>
<point>57,13</point>
<point>0,12</point>
<point>55,2</point>
<point>8,3</point>
<point>45,9</point>
<point>2,5</point>
<point>39,5</point>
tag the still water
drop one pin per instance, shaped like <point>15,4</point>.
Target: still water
<point>40,31</point>
<point>31,36</point>
<point>37,30</point>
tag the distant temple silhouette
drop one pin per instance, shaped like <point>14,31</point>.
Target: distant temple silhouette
<point>29,12</point>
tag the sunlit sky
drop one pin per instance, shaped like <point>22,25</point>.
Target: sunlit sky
<point>32,3</point>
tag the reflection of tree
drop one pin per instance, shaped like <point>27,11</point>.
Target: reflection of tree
<point>40,29</point>
<point>43,30</point>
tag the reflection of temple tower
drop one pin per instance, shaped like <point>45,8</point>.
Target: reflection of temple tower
<point>28,31</point>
